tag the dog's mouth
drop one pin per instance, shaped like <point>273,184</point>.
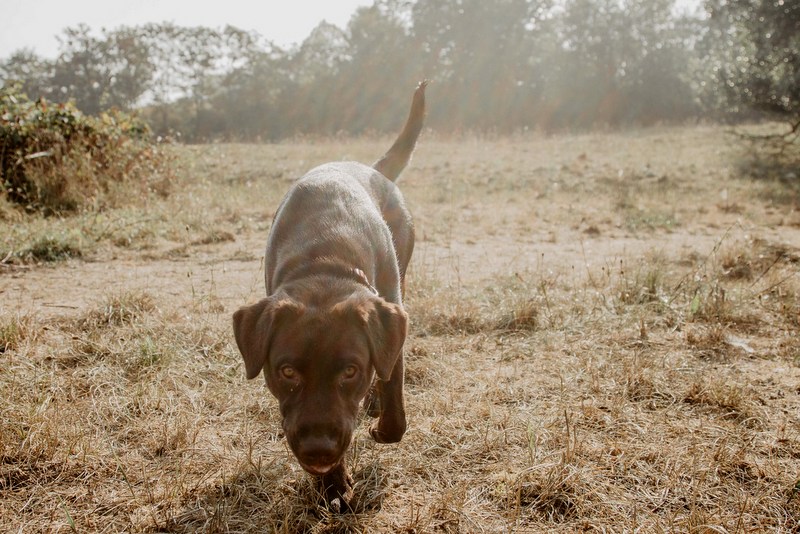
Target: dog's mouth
<point>319,462</point>
<point>318,454</point>
<point>318,469</point>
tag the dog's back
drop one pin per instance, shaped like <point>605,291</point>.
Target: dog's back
<point>333,214</point>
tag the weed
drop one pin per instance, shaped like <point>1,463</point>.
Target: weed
<point>215,236</point>
<point>462,320</point>
<point>522,317</point>
<point>708,340</point>
<point>51,249</point>
<point>730,400</point>
<point>644,285</point>
<point>15,330</point>
<point>54,159</point>
<point>120,309</point>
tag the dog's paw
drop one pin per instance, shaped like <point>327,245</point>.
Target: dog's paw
<point>383,433</point>
<point>337,488</point>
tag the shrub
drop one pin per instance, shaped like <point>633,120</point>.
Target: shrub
<point>55,159</point>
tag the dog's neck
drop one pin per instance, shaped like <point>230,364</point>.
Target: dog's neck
<point>327,267</point>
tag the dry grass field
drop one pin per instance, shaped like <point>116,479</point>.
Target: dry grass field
<point>605,337</point>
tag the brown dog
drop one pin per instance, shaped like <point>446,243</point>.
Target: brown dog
<point>335,267</point>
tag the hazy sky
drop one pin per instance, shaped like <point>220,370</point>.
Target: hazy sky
<point>35,24</point>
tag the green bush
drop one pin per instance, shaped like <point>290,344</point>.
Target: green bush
<point>55,159</point>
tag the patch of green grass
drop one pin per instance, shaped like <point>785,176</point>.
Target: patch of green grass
<point>51,248</point>
<point>645,206</point>
<point>41,240</point>
<point>645,284</point>
<point>149,353</point>
<point>649,220</point>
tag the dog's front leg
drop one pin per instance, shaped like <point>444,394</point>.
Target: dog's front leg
<point>391,424</point>
<point>337,484</point>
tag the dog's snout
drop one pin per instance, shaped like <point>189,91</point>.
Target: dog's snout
<point>319,448</point>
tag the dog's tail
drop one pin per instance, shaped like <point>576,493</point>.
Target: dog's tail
<point>396,159</point>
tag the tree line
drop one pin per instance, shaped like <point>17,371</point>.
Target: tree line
<point>500,66</point>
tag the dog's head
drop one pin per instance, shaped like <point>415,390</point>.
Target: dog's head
<point>319,363</point>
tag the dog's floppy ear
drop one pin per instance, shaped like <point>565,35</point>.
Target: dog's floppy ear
<point>386,325</point>
<point>254,326</point>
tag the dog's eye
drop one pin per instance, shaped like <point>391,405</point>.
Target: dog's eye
<point>288,372</point>
<point>349,372</point>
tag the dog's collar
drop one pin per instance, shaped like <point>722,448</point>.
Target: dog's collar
<point>362,277</point>
<point>329,268</point>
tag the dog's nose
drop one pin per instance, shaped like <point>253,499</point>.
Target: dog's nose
<point>323,447</point>
<point>318,451</point>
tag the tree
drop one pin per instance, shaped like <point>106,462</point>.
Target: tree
<point>656,57</point>
<point>620,62</point>
<point>33,73</point>
<point>191,69</point>
<point>486,56</point>
<point>754,52</point>
<point>256,95</point>
<point>754,49</point>
<point>381,53</point>
<point>314,75</point>
<point>500,66</point>
<point>113,70</point>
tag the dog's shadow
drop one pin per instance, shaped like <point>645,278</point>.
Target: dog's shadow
<point>273,499</point>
